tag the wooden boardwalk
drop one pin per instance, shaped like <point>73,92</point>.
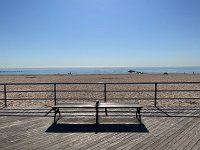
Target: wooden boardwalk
<point>163,128</point>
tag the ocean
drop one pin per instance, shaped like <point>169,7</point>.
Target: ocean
<point>98,70</point>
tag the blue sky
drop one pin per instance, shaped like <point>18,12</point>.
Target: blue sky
<point>63,33</point>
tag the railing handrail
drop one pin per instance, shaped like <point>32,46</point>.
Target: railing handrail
<point>36,83</point>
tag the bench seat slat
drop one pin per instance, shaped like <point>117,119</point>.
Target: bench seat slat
<point>80,105</point>
<point>101,105</point>
<point>116,105</point>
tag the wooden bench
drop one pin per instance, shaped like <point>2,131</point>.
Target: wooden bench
<point>96,106</point>
<point>56,108</point>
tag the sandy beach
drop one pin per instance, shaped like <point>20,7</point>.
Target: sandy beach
<point>143,96</point>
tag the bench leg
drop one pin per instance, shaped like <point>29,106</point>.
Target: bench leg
<point>56,111</point>
<point>138,116</point>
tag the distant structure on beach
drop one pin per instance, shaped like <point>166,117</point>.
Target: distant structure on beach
<point>165,73</point>
<point>69,73</point>
<point>133,71</point>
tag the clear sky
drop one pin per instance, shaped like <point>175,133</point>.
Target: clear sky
<point>62,33</point>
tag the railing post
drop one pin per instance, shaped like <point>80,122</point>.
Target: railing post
<point>55,94</point>
<point>155,102</point>
<point>5,96</point>
<point>105,98</point>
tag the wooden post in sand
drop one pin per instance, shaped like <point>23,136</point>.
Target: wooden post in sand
<point>5,96</point>
<point>155,102</point>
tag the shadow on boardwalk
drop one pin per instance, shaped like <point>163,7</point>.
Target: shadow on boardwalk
<point>172,112</point>
<point>101,128</point>
<point>146,112</point>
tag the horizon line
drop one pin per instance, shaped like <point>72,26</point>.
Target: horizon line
<point>93,67</point>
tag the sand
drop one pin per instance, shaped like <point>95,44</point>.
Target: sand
<point>140,92</point>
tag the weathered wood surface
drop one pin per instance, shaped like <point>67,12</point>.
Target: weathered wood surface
<point>165,128</point>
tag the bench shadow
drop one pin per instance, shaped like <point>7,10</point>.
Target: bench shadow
<point>101,128</point>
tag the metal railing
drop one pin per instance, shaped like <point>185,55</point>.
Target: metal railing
<point>155,91</point>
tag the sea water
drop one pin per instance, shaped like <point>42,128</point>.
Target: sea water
<point>99,70</point>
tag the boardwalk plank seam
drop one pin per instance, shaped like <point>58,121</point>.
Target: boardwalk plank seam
<point>193,140</point>
<point>165,136</point>
<point>130,144</point>
<point>184,140</point>
<point>151,137</point>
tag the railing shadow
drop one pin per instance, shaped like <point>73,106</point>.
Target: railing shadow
<point>172,112</point>
<point>2,108</point>
<point>100,128</point>
<point>163,111</point>
<point>146,112</point>
<point>24,112</point>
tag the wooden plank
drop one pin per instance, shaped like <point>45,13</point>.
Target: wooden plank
<point>161,129</point>
<point>41,140</point>
<point>174,141</point>
<point>192,141</point>
<point>101,105</point>
<point>105,143</point>
<point>172,134</point>
<point>165,136</point>
<point>151,125</point>
<point>183,139</point>
<point>98,136</point>
<point>118,105</point>
<point>76,105</point>
<point>160,126</point>
<point>7,121</point>
<point>93,143</point>
<point>196,146</point>
<point>168,135</point>
<point>29,133</point>
<point>36,139</point>
<point>19,132</point>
